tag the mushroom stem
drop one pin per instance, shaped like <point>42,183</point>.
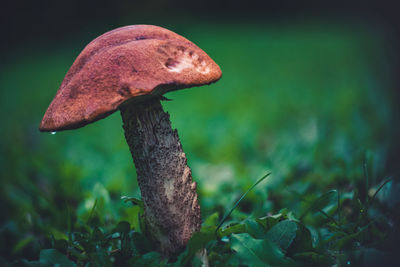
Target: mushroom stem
<point>172,212</point>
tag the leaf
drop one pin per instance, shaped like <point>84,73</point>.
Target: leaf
<point>313,259</point>
<point>55,257</point>
<point>250,226</point>
<point>254,229</point>
<point>198,241</point>
<point>61,245</point>
<point>211,220</point>
<point>148,260</point>
<point>315,236</point>
<point>132,215</point>
<point>347,241</point>
<point>288,214</point>
<point>370,200</point>
<point>322,204</point>
<point>268,221</point>
<point>142,224</point>
<point>91,219</point>
<point>26,263</point>
<point>97,234</point>
<point>141,244</point>
<point>227,214</point>
<point>251,251</point>
<point>232,229</point>
<point>322,201</point>
<point>123,227</point>
<point>302,242</point>
<point>85,242</point>
<point>22,244</point>
<point>133,200</point>
<point>100,258</point>
<point>255,252</point>
<point>283,233</point>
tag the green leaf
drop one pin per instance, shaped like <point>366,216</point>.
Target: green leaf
<point>132,215</point>
<point>151,259</point>
<point>232,229</point>
<point>322,201</point>
<point>255,229</point>
<point>26,263</point>
<point>268,221</point>
<point>141,244</point>
<point>142,224</point>
<point>302,242</point>
<point>313,259</point>
<point>22,244</point>
<point>250,226</point>
<point>100,257</point>
<point>97,234</point>
<point>61,245</point>
<point>91,214</point>
<point>255,252</point>
<point>370,200</point>
<point>283,233</point>
<point>227,214</point>
<point>198,241</point>
<point>85,242</point>
<point>133,200</point>
<point>211,220</point>
<point>55,257</point>
<point>123,227</point>
<point>348,240</point>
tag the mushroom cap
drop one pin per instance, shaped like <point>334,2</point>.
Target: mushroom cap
<point>124,64</point>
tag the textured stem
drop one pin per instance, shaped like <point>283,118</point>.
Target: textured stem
<point>172,212</point>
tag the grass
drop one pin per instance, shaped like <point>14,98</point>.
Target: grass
<point>308,103</point>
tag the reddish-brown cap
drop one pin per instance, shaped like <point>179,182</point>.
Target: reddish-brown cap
<point>123,64</point>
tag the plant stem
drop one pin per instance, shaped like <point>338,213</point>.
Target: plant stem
<point>172,212</point>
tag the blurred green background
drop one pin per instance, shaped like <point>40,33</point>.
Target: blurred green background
<point>310,96</point>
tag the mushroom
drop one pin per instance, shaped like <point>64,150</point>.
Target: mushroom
<point>130,68</point>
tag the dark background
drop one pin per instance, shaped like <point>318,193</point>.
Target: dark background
<point>27,22</point>
<point>48,23</point>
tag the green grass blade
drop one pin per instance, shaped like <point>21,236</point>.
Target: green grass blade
<point>379,189</point>
<point>366,180</point>
<point>240,199</point>
<point>92,211</point>
<point>338,205</point>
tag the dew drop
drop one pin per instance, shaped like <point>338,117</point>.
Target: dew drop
<point>53,133</point>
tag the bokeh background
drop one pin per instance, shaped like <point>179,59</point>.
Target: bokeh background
<point>309,92</point>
